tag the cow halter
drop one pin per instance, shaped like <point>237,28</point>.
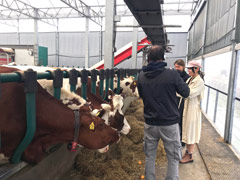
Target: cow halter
<point>73,145</point>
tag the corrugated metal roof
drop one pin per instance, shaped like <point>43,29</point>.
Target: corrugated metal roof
<point>149,16</point>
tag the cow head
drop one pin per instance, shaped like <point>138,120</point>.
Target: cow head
<point>117,114</point>
<point>93,132</point>
<point>129,86</point>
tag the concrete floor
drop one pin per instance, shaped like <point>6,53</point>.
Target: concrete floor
<point>191,171</point>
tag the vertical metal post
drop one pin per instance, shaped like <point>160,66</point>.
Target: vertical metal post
<point>208,94</point>
<point>36,57</point>
<point>84,80</point>
<point>111,78</point>
<point>101,86</point>
<point>93,81</point>
<point>205,28</point>
<point>57,83</point>
<point>73,78</point>
<point>107,73</point>
<point>144,59</point>
<point>87,39</point>
<point>215,107</point>
<point>30,88</point>
<point>18,35</point>
<point>231,95</point>
<point>101,41</point>
<point>134,44</point>
<point>57,44</point>
<point>109,34</point>
<point>119,75</point>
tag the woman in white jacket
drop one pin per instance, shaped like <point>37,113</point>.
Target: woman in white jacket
<point>191,127</point>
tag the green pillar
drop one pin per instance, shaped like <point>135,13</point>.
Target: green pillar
<point>30,88</point>
<point>84,80</point>
<point>107,75</point>
<point>57,83</point>
<point>101,86</point>
<point>93,81</point>
<point>112,73</point>
<point>73,77</point>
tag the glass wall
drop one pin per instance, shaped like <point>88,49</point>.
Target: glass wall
<point>236,116</point>
<point>217,69</point>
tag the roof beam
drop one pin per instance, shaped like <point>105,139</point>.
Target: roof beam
<point>82,8</point>
<point>20,9</point>
<point>3,19</point>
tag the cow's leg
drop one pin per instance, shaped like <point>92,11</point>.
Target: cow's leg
<point>36,150</point>
<point>34,153</point>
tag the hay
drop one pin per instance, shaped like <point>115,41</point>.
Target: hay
<point>123,161</point>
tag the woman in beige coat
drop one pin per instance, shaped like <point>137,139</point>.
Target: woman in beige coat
<point>191,127</point>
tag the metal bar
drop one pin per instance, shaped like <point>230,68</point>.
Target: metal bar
<point>135,44</point>
<point>57,44</point>
<point>111,78</point>
<point>74,4</point>
<point>231,95</point>
<point>73,77</point>
<point>216,89</point>
<point>119,75</point>
<point>93,81</point>
<point>87,40</point>
<point>208,94</point>
<point>106,83</point>
<point>36,56</point>
<point>148,26</point>
<point>10,77</point>
<point>109,34</point>
<point>84,80</point>
<point>25,9</point>
<point>101,86</point>
<point>15,77</point>
<point>31,127</point>
<point>30,88</point>
<point>215,108</point>
<point>205,28</point>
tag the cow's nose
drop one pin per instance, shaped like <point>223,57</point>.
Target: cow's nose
<point>104,150</point>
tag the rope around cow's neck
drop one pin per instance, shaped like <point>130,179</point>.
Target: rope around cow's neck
<point>76,130</point>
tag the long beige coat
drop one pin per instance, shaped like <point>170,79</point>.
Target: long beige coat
<point>191,125</point>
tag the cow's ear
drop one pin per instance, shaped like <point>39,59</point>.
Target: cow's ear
<point>127,83</point>
<point>121,90</point>
<point>131,77</point>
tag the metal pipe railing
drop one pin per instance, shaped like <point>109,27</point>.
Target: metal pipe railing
<point>30,85</point>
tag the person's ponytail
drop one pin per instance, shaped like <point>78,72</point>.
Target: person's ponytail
<point>202,74</point>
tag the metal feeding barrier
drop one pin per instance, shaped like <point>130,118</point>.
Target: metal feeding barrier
<point>30,77</point>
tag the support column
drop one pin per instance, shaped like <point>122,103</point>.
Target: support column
<point>204,36</point>
<point>231,95</point>
<point>87,40</point>
<point>144,60</point>
<point>57,44</point>
<point>109,34</point>
<point>18,35</point>
<point>101,41</point>
<point>36,59</point>
<point>232,82</point>
<point>134,44</point>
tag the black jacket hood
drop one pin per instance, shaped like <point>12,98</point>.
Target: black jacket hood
<point>153,69</point>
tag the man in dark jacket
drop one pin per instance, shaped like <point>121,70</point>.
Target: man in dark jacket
<point>180,67</point>
<point>157,87</point>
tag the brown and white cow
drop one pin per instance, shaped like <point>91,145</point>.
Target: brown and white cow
<point>113,113</point>
<point>110,112</point>
<point>128,87</point>
<point>54,123</point>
